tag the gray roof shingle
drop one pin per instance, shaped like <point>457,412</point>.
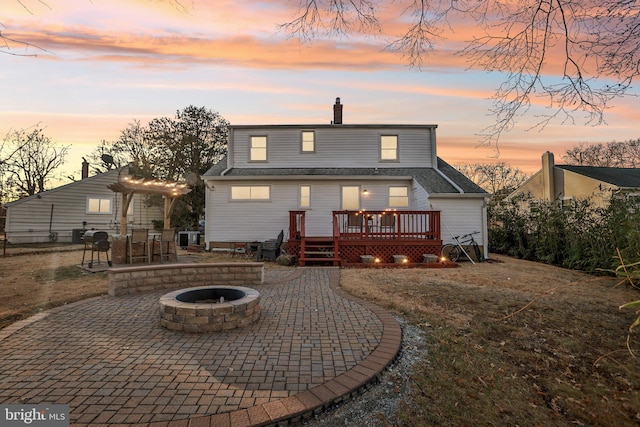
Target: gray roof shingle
<point>620,177</point>
<point>429,178</point>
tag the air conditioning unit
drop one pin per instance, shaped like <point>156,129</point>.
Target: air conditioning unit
<point>186,238</point>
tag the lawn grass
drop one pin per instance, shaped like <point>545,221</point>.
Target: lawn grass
<point>548,352</point>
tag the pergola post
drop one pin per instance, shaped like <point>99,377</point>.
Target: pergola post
<point>126,201</point>
<point>169,202</point>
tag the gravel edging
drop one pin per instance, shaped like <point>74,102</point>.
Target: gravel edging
<point>381,400</point>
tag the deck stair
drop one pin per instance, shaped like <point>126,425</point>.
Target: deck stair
<point>319,250</point>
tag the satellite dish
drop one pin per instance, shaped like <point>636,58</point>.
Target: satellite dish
<point>192,178</point>
<point>107,159</point>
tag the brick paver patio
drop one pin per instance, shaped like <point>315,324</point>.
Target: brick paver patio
<point>109,359</point>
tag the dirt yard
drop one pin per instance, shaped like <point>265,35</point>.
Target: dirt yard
<point>509,342</point>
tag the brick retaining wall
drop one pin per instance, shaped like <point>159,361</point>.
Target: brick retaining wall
<point>144,278</point>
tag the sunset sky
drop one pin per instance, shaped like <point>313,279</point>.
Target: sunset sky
<point>110,62</point>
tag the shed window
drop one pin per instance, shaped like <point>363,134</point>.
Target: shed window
<point>97,205</point>
<point>258,150</point>
<point>250,192</point>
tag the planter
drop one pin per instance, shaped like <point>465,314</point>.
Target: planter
<point>366,259</point>
<point>429,258</point>
<point>400,259</point>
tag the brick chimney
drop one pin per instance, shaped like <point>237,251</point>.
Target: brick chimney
<point>85,168</point>
<point>337,112</point>
<point>548,177</point>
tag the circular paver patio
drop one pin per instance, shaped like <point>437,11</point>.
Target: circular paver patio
<point>112,363</point>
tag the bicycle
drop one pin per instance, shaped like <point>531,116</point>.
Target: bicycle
<point>454,251</point>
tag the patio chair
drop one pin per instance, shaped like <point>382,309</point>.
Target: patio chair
<point>270,249</point>
<point>353,223</point>
<point>139,238</point>
<point>167,237</point>
<point>387,223</point>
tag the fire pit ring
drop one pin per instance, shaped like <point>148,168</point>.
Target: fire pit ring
<point>209,308</point>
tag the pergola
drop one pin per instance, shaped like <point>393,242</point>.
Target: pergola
<point>128,186</point>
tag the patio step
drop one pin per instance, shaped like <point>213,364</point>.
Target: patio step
<point>319,253</point>
<point>305,261</point>
<point>319,250</point>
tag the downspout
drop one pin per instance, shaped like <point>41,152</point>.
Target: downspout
<point>485,228</point>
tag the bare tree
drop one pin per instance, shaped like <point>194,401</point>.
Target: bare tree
<point>33,161</point>
<point>131,146</point>
<point>561,53</point>
<point>611,154</point>
<point>498,179</point>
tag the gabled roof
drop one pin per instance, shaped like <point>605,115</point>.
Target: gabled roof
<point>64,187</point>
<point>428,177</point>
<point>620,177</point>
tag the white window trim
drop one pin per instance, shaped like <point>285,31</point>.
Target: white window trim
<point>300,205</point>
<point>231,199</point>
<point>89,198</point>
<point>266,149</point>
<point>397,149</point>
<point>342,187</point>
<point>406,187</point>
<point>302,150</point>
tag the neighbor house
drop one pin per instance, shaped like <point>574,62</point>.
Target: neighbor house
<point>342,190</point>
<point>64,213</point>
<point>565,183</point>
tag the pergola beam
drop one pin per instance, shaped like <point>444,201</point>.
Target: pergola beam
<point>129,186</point>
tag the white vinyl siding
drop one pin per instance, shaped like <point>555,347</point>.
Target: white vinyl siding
<point>64,209</point>
<point>259,221</point>
<point>460,216</point>
<point>335,147</point>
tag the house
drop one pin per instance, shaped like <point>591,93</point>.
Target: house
<point>64,213</point>
<point>380,186</point>
<point>566,182</point>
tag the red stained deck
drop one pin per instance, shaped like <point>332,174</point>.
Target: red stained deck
<point>380,234</point>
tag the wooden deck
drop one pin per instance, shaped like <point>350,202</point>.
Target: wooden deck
<point>362,236</point>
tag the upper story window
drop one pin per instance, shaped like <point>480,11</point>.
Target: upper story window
<point>308,141</point>
<point>389,147</point>
<point>250,192</point>
<point>97,205</point>
<point>305,196</point>
<point>398,197</point>
<point>258,149</point>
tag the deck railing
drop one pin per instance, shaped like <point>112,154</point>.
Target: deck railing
<point>375,225</point>
<point>390,225</point>
<point>296,225</point>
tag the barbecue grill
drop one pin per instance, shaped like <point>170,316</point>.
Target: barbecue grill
<point>97,241</point>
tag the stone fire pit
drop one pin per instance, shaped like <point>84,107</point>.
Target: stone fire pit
<point>209,308</point>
